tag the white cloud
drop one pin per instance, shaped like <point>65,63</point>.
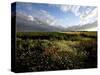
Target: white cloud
<point>89,18</point>
<point>73,8</point>
<point>88,15</point>
<point>65,8</point>
<point>88,10</point>
<point>45,17</point>
<point>40,15</point>
<point>30,18</point>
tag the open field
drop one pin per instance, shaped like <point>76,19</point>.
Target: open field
<point>43,51</point>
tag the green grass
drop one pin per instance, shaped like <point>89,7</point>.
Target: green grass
<point>40,51</point>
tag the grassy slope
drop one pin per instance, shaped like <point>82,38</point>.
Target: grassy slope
<point>38,51</point>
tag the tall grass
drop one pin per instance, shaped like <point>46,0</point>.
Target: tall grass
<point>40,51</point>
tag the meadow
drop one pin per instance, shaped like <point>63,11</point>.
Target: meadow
<point>48,51</point>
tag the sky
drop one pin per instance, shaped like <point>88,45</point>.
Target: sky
<point>58,15</point>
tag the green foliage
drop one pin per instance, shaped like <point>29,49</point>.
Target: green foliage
<point>40,51</point>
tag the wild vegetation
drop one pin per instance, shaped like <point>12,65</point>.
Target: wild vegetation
<point>43,51</point>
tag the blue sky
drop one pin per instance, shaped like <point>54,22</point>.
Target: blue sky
<point>59,15</point>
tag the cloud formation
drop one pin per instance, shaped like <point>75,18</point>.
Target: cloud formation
<point>28,12</point>
<point>45,17</point>
<point>72,8</point>
<point>30,18</point>
<point>40,16</point>
<point>88,15</point>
